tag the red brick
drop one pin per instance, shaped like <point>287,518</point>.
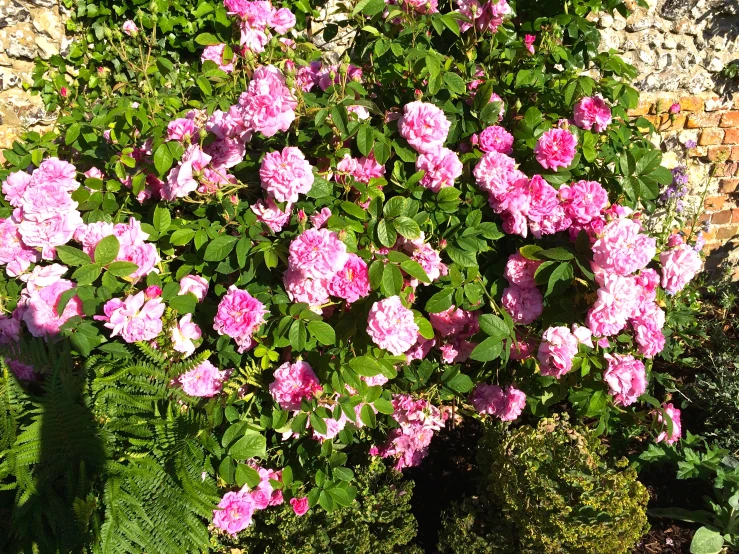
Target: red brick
<point>734,154</point>
<point>641,109</point>
<point>691,104</point>
<point>701,120</point>
<point>674,123</point>
<point>731,136</point>
<point>710,247</point>
<point>714,203</point>
<point>719,153</point>
<point>735,215</point>
<point>697,152</point>
<point>725,233</point>
<point>720,218</point>
<point>730,119</point>
<point>711,136</point>
<point>728,185</point>
<point>726,169</point>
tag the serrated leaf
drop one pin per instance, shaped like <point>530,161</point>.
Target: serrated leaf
<point>493,326</point>
<point>407,227</point>
<point>251,445</point>
<point>162,219</point>
<point>365,366</point>
<point>70,255</point>
<point>163,159</point>
<point>107,250</point>
<point>86,274</point>
<point>122,269</point>
<point>322,331</point>
<point>392,280</point>
<point>219,248</point>
<point>487,350</point>
<point>440,301</point>
<point>414,269</point>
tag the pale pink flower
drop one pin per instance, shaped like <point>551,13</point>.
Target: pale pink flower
<point>555,148</point>
<point>226,152</point>
<point>181,129</point>
<point>391,325</point>
<point>268,106</point>
<point>455,322</point>
<point>15,186</point>
<point>679,266</point>
<point>320,218</point>
<point>286,174</point>
<point>282,20</point>
<point>134,319</point>
<point>496,173</point>
<point>592,112</point>
<point>239,316</point>
<point>622,248</point>
<point>424,126</point>
<point>583,201</point>
<point>269,212</point>
<point>496,139</point>
<point>234,512</point>
<point>674,415</point>
<point>205,380</point>
<point>50,232</point>
<point>557,351</point>
<point>318,253</point>
<point>430,261</point>
<point>130,28</point>
<point>351,282</point>
<point>14,253</point>
<point>39,308</point>
<point>299,288</point>
<point>442,167</point>
<point>649,337</point>
<point>626,378</point>
<point>583,335</point>
<point>183,335</point>
<point>195,284</point>
<point>299,505</point>
<point>214,53</point>
<point>293,382</point>
<point>362,169</point>
<point>524,304</point>
<point>94,173</point>
<point>520,271</point>
<point>182,180</point>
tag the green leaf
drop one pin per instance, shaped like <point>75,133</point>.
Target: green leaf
<point>86,274</point>
<point>72,256</point>
<point>107,250</point>
<point>64,299</point>
<point>122,269</point>
<point>455,83</point>
<point>352,209</point>
<point>318,423</point>
<point>414,269</point>
<point>530,251</point>
<point>163,159</point>
<point>462,257</point>
<point>396,206</point>
<point>219,248</point>
<point>384,406</point>
<point>487,350</point>
<point>494,326</point>
<point>341,120</point>
<point>251,445</point>
<point>207,39</point>
<point>322,331</point>
<point>184,303</point>
<point>298,335</point>
<point>204,85</point>
<point>386,233</point>
<point>321,188</point>
<point>162,219</point>
<point>367,415</point>
<point>424,327</point>
<point>706,541</point>
<point>392,280</point>
<point>440,301</point>
<point>365,140</point>
<point>181,237</point>
<point>341,496</point>
<point>247,475</point>
<point>407,227</point>
<point>560,279</point>
<point>558,253</point>
<point>365,366</point>
<point>460,383</point>
<point>73,131</point>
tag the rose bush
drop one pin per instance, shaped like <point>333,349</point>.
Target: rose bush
<point>334,260</point>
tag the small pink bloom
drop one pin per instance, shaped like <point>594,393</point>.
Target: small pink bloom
<point>239,316</point>
<point>391,325</point>
<point>183,335</point>
<point>269,213</point>
<point>214,53</point>
<point>135,319</point>
<point>626,378</point>
<point>234,512</point>
<point>496,139</point>
<point>181,129</point>
<point>204,381</point>
<point>528,42</point>
<point>677,431</point>
<point>675,108</point>
<point>592,112</point>
<point>195,284</point>
<point>64,92</point>
<point>442,167</point>
<point>320,218</point>
<point>679,266</point>
<point>130,28</point>
<point>524,304</point>
<point>293,383</point>
<point>153,291</point>
<point>351,282</point>
<point>424,126</point>
<point>300,505</point>
<point>557,351</point>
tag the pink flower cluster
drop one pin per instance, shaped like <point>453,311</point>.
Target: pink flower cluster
<point>257,18</point>
<point>424,126</point>
<point>236,509</point>
<point>183,179</point>
<point>286,174</point>
<point>214,53</point>
<point>559,347</point>
<point>267,106</point>
<point>622,248</point>
<point>132,239</point>
<point>205,380</point>
<point>292,383</point>
<point>626,378</point>
<point>45,215</point>
<point>418,420</point>
<point>324,76</point>
<point>361,169</point>
<point>454,327</point>
<point>679,265</point>
<point>442,167</point>
<point>491,399</point>
<point>486,15</point>
<point>592,112</point>
<point>522,299</point>
<point>134,319</point>
<point>555,148</point>
<point>239,316</point>
<point>392,326</point>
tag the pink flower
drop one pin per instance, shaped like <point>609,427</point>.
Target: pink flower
<point>592,112</point>
<point>528,42</point>
<point>268,106</point>
<point>183,334</point>
<point>496,139</point>
<point>234,512</point>
<point>214,53</point>
<point>649,337</point>
<point>351,282</point>
<point>626,378</point>
<point>94,173</point>
<point>286,174</point>
<point>622,248</point>
<point>318,219</point>
<point>269,212</point>
<point>679,266</point>
<point>64,92</point>
<point>15,186</point>
<point>39,308</point>
<point>22,371</point>
<point>130,28</point>
<point>485,16</point>
<point>391,325</point>
<point>300,505</point>
<point>520,271</point>
<point>226,152</point>
<point>424,126</point>
<point>675,108</point>
<point>52,231</point>
<point>422,6</point>
<point>318,253</point>
<point>10,329</point>
<point>674,415</point>
<point>181,129</point>
<point>493,400</point>
<point>13,251</point>
<point>205,380</point>
<point>299,288</point>
<point>583,201</point>
<point>442,166</point>
<point>583,335</point>
<point>556,148</point>
<point>556,351</point>
<point>496,173</point>
<point>194,284</point>
<point>455,322</point>
<point>524,304</point>
<point>293,383</point>
<point>154,291</point>
<point>239,316</point>
<point>430,261</point>
<point>362,169</point>
<point>181,180</point>
<point>135,319</point>
<point>282,20</point>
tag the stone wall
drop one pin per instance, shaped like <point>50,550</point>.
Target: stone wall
<point>28,28</point>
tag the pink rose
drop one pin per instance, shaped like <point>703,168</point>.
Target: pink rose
<point>555,148</point>
<point>442,167</point>
<point>234,512</point>
<point>181,129</point>
<point>130,28</point>
<point>318,253</point>
<point>239,316</point>
<point>282,20</point>
<point>524,304</point>
<point>293,383</point>
<point>205,380</point>
<point>269,213</point>
<point>299,288</point>
<point>679,266</point>
<point>286,174</point>
<point>182,180</point>
<point>135,319</point>
<point>622,248</point>
<point>496,173</point>
<point>592,112</point>
<point>670,437</point>
<point>320,218</point>
<point>520,271</point>
<point>391,325</point>
<point>556,351</point>
<point>351,282</point>
<point>195,284</point>
<point>300,505</point>
<point>583,201</point>
<point>268,106</point>
<point>183,335</point>
<point>424,126</point>
<point>496,139</point>
<point>214,53</point>
<point>40,309</point>
<point>626,378</point>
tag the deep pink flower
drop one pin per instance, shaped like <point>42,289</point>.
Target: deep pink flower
<point>300,505</point>
<point>455,322</point>
<point>181,129</point>
<point>583,201</point>
<point>556,351</point>
<point>674,414</point>
<point>239,316</point>
<point>293,382</point>
<point>391,325</point>
<point>442,167</point>
<point>424,126</point>
<point>524,304</point>
<point>528,42</point>
<point>351,282</point>
<point>234,512</point>
<point>495,138</point>
<point>592,112</point>
<point>626,378</point>
<point>491,399</point>
<point>318,253</point>
<point>286,174</point>
<point>555,148</point>
<point>205,380</point>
